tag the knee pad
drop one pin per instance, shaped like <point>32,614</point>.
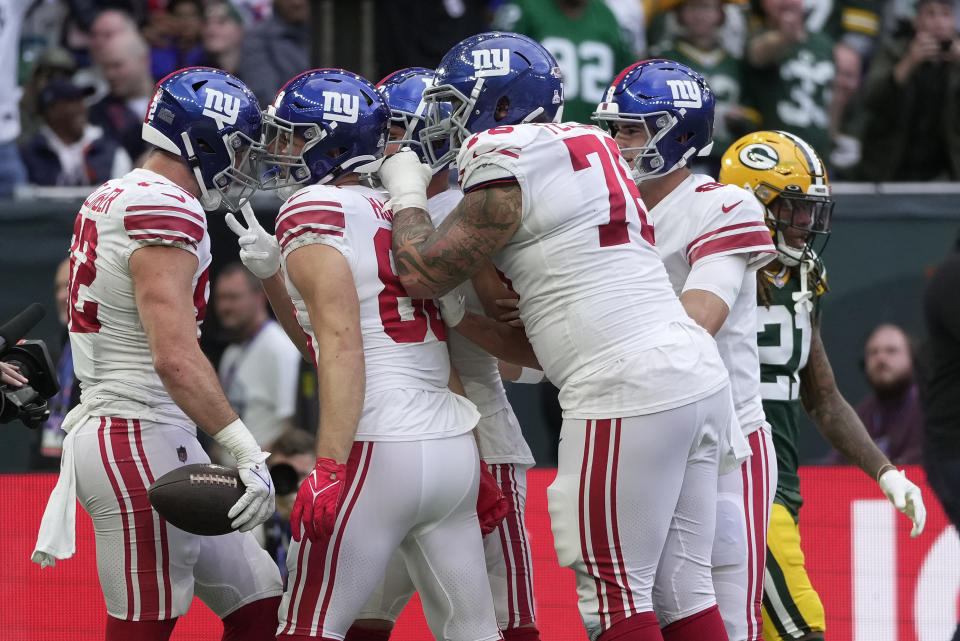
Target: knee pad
<point>564,519</point>
<point>730,538</point>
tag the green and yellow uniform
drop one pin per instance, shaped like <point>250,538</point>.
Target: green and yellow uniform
<point>590,49</point>
<point>791,607</point>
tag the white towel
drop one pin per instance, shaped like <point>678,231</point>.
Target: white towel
<point>56,538</point>
<point>734,446</point>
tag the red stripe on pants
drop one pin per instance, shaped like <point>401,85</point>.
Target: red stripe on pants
<point>616,603</point>
<point>105,458</point>
<point>505,544</point>
<point>756,493</point>
<point>144,536</point>
<point>312,576</point>
<point>164,547</point>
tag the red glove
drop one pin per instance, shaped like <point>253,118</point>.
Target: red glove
<point>492,505</point>
<point>319,500</point>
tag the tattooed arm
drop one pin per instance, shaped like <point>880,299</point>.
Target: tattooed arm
<point>833,415</point>
<point>431,262</point>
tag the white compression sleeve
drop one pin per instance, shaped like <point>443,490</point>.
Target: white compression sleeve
<point>720,275</point>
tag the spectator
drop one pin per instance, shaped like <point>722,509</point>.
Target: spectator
<point>846,112</point>
<point>258,370</point>
<point>698,45</point>
<point>51,436</point>
<point>790,73</point>
<point>629,14</point>
<point>223,36</point>
<point>276,49</point>
<point>912,94</point>
<point>109,25</point>
<point>125,61</point>
<point>12,171</point>
<point>584,37</point>
<point>403,41</point>
<point>293,458</point>
<point>68,150</point>
<point>54,62</point>
<point>181,45</point>
<point>891,413</point>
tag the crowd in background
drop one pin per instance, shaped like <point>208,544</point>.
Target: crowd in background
<point>872,84</point>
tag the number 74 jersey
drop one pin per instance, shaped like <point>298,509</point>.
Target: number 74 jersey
<point>595,299</point>
<point>404,340</point>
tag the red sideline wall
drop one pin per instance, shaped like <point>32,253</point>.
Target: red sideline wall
<point>876,582</point>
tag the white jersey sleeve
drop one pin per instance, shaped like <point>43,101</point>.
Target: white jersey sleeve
<point>112,357</point>
<point>406,361</point>
<point>728,220</point>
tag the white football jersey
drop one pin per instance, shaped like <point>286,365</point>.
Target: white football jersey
<point>404,339</point>
<point>701,218</point>
<point>594,295</point>
<point>499,441</point>
<point>111,355</point>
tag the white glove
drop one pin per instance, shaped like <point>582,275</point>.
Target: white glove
<point>906,497</point>
<point>259,251</point>
<point>453,308</point>
<point>406,178</point>
<point>258,502</point>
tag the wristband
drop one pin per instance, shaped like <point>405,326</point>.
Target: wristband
<point>884,468</point>
<point>529,375</point>
<point>237,440</point>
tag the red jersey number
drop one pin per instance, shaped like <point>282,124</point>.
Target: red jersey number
<point>82,316</point>
<point>413,330</point>
<point>615,231</point>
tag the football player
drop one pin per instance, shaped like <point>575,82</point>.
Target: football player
<point>789,181</point>
<point>712,240</point>
<point>499,438</point>
<point>645,395</point>
<point>138,294</point>
<point>397,465</point>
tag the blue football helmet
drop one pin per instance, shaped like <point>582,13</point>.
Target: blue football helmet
<point>673,103</point>
<point>490,79</point>
<point>212,120</point>
<point>403,92</point>
<point>323,124</point>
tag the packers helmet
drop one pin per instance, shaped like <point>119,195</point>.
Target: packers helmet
<point>789,179</point>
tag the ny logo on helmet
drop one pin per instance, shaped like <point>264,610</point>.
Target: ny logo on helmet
<point>686,93</point>
<point>222,107</point>
<point>341,107</point>
<point>491,62</point>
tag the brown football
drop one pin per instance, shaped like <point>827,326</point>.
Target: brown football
<point>197,497</point>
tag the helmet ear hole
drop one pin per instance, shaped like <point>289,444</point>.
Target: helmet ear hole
<point>503,108</point>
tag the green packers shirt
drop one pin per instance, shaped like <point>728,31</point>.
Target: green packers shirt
<point>783,341</point>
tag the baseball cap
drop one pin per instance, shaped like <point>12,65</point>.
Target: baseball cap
<point>60,89</point>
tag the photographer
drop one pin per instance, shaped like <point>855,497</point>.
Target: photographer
<point>10,375</point>
<point>912,96</point>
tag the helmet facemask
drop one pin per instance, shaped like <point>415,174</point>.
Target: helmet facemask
<point>649,162</point>
<point>794,215</point>
<point>237,182</point>
<point>441,136</point>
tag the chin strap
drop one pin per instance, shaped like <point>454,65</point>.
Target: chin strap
<point>803,300</point>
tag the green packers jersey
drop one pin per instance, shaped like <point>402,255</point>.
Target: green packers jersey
<point>783,342</point>
<point>723,73</point>
<point>590,50</point>
<point>793,95</point>
<point>839,17</point>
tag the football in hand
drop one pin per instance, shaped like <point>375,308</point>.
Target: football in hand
<point>196,498</point>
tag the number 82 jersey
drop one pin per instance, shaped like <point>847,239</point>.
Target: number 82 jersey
<point>404,340</point>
